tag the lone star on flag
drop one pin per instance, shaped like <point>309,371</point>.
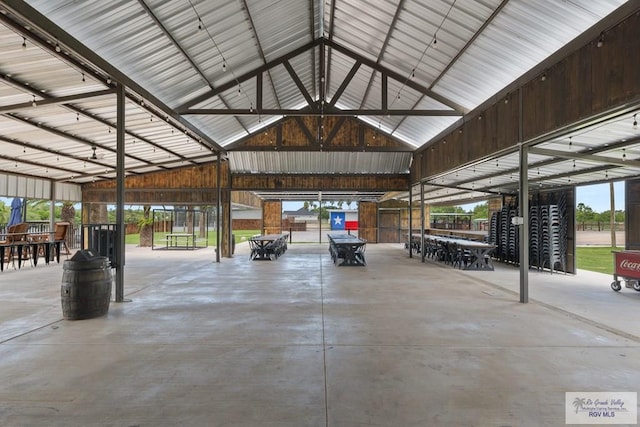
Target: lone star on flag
<point>337,220</point>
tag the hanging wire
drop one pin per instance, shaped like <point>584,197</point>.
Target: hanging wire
<point>433,43</point>
<point>225,65</point>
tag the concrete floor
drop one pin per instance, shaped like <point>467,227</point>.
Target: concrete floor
<point>301,342</point>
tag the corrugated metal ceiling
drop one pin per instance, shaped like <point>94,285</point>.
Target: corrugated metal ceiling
<point>442,55</point>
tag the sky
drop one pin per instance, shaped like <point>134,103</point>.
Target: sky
<point>594,196</point>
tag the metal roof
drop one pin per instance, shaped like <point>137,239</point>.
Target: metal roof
<point>250,62</point>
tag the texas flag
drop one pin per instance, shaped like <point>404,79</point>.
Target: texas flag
<point>337,220</point>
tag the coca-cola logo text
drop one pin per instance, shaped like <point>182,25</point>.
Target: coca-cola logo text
<point>628,265</point>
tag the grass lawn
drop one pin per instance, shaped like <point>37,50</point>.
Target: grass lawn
<point>599,259</point>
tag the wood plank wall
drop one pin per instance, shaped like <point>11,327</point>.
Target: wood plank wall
<point>587,82</point>
<point>272,217</point>
<point>368,221</point>
<point>188,185</point>
<point>313,133</point>
<point>299,182</point>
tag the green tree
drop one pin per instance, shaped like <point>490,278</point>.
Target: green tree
<point>481,211</point>
<point>584,213</point>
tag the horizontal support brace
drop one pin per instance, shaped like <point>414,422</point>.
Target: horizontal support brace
<point>287,112</point>
<point>55,101</point>
<point>584,156</point>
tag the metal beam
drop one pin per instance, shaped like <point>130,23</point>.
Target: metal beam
<point>303,90</point>
<point>318,112</point>
<point>345,83</point>
<point>68,136</point>
<point>43,30</point>
<point>246,76</point>
<point>396,76</point>
<point>584,156</point>
<point>53,101</point>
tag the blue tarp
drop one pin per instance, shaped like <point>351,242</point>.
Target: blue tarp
<point>16,211</point>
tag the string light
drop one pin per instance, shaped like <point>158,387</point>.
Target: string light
<point>33,103</point>
<point>24,43</point>
<point>58,49</point>
<point>83,79</point>
<point>199,23</point>
<point>635,122</point>
<point>224,65</point>
<point>600,40</point>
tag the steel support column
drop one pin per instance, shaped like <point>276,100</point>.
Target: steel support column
<point>119,249</point>
<point>523,202</point>
<point>422,251</point>
<point>410,220</point>
<point>218,207</point>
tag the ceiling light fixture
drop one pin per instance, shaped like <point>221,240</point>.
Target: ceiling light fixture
<point>199,23</point>
<point>543,77</point>
<point>635,122</point>
<point>24,43</point>
<point>600,40</point>
<point>83,79</point>
<point>58,49</point>
<point>224,65</point>
<point>33,103</point>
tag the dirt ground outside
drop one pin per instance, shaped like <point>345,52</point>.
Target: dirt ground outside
<point>598,238</point>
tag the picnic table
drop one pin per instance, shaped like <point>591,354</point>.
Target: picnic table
<point>463,253</point>
<point>21,247</point>
<point>268,246</point>
<point>180,241</point>
<point>348,248</point>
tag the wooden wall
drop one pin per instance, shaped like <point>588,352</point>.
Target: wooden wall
<point>300,182</point>
<point>313,133</point>
<point>272,217</point>
<point>182,186</point>
<point>587,82</point>
<point>368,221</point>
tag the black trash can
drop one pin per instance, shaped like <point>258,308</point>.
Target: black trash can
<point>86,286</point>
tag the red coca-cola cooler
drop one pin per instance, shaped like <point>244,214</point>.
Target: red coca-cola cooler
<point>627,268</point>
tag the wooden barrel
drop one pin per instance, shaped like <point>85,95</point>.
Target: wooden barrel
<point>86,287</point>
